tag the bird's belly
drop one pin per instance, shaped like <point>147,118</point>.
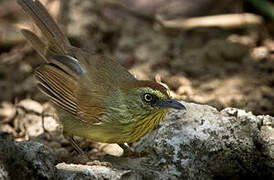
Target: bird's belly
<point>105,132</point>
<point>108,133</point>
<point>102,134</point>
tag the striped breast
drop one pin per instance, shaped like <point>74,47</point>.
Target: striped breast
<point>145,125</point>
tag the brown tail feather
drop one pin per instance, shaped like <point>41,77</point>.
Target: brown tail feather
<point>57,39</point>
<point>36,42</point>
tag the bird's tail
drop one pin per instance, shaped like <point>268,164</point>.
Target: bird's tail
<point>56,39</point>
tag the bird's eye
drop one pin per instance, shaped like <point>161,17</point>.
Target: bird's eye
<point>148,97</point>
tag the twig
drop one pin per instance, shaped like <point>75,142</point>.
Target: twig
<point>226,21</point>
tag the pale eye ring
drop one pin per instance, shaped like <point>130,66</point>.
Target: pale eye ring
<point>148,97</point>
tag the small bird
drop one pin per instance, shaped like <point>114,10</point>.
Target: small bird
<point>94,96</point>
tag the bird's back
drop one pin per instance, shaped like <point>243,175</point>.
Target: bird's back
<point>75,80</point>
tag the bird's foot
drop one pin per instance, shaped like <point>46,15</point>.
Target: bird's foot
<point>129,152</point>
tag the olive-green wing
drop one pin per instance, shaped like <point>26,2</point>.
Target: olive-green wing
<point>58,85</point>
<point>70,92</point>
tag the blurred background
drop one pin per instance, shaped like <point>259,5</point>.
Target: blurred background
<point>215,52</point>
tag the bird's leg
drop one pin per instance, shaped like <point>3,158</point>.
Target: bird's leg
<point>75,145</point>
<point>127,150</point>
<point>84,159</point>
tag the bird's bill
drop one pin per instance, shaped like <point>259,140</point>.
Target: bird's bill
<point>171,103</point>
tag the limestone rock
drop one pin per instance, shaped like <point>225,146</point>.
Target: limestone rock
<point>204,143</point>
<point>25,160</point>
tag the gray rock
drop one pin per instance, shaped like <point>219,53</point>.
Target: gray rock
<point>25,160</point>
<point>3,172</point>
<point>204,143</point>
<point>73,171</point>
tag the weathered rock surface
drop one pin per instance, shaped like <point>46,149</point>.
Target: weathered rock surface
<point>25,160</point>
<point>73,171</point>
<point>207,144</point>
<point>201,143</point>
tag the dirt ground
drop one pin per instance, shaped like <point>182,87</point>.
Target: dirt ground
<point>221,68</point>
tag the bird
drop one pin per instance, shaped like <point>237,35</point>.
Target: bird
<point>94,96</point>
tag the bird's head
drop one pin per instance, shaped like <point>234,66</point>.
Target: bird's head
<point>138,108</point>
<point>145,104</point>
<point>147,98</point>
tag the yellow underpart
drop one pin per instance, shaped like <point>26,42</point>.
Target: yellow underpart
<point>144,126</point>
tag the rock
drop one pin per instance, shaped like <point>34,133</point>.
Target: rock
<point>73,171</point>
<point>25,160</point>
<point>204,143</point>
<point>29,118</point>
<point>3,172</point>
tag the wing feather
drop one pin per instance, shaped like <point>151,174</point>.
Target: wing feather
<point>64,91</point>
<point>58,86</point>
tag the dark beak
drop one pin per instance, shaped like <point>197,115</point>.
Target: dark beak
<point>171,103</point>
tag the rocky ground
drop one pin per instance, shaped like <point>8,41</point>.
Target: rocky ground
<point>200,143</point>
<point>218,67</point>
